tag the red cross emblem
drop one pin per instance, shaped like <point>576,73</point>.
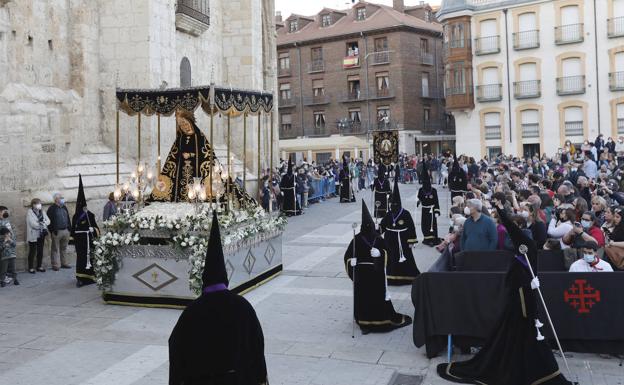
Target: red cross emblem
<point>581,296</point>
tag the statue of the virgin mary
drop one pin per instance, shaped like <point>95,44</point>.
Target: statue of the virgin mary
<point>190,157</point>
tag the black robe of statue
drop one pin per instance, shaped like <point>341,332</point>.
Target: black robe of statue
<point>83,242</point>
<point>178,172</point>
<point>458,182</point>
<point>399,234</point>
<point>430,210</point>
<point>218,340</point>
<point>290,206</point>
<point>374,311</point>
<point>382,192</point>
<point>346,191</point>
<point>512,355</point>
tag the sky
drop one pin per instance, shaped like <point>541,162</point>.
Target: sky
<point>312,7</point>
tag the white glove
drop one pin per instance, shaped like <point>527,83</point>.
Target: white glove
<point>535,283</point>
<point>375,253</point>
<point>353,262</point>
<point>91,229</point>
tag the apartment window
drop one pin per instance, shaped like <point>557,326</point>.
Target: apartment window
<point>490,89</point>
<point>457,35</point>
<point>286,122</point>
<point>383,84</point>
<point>573,121</point>
<point>353,85</point>
<point>615,26</point>
<point>424,46</point>
<point>285,91</point>
<point>528,33</point>
<point>492,125</point>
<point>426,114</point>
<point>352,48</point>
<point>381,54</point>
<point>571,28</point>
<point>530,123</point>
<point>360,13</point>
<point>616,78</point>
<point>427,16</point>
<point>318,89</point>
<point>383,117</point>
<point>293,26</point>
<point>326,20</point>
<point>316,59</point>
<point>488,42</point>
<point>529,85</point>
<point>620,118</point>
<point>457,79</point>
<point>572,80</point>
<point>355,115</point>
<point>319,119</point>
<point>425,84</point>
<point>284,61</point>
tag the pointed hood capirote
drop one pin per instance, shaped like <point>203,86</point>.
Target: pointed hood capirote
<point>368,225</point>
<point>214,265</point>
<point>455,163</point>
<point>425,178</point>
<point>381,171</point>
<point>81,200</point>
<point>289,171</point>
<point>396,194</point>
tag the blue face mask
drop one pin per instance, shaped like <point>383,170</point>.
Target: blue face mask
<point>589,258</point>
<point>586,224</point>
<point>62,201</point>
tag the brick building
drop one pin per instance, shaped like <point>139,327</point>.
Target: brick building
<point>345,73</point>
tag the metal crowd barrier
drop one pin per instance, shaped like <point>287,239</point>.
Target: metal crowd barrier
<point>320,188</point>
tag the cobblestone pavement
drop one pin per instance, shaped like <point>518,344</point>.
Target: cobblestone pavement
<point>55,334</point>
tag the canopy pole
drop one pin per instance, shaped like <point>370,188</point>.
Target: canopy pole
<point>229,178</point>
<point>139,138</point>
<point>117,145</point>
<point>158,146</point>
<point>259,148</point>
<point>271,146</point>
<point>245,151</point>
<point>211,153</point>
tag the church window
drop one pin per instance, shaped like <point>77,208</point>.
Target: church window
<point>185,73</point>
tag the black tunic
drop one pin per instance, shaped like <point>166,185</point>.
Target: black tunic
<point>373,309</point>
<point>399,234</point>
<point>83,242</point>
<point>458,182</point>
<point>346,190</point>
<point>511,355</point>
<point>430,210</point>
<point>289,204</point>
<point>218,340</point>
<point>382,191</point>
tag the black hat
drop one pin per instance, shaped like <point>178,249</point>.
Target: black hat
<point>81,200</point>
<point>396,194</point>
<point>214,265</point>
<point>368,225</point>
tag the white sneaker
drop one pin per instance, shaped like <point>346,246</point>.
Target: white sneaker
<point>8,280</point>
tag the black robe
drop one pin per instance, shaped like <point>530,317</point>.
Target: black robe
<point>458,182</point>
<point>430,210</point>
<point>178,172</point>
<point>83,242</point>
<point>290,206</point>
<point>512,355</point>
<point>346,190</point>
<point>372,311</point>
<point>382,191</point>
<point>218,340</point>
<point>399,234</point>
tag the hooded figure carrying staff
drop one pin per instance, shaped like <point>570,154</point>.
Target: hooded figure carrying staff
<point>84,231</point>
<point>399,233</point>
<point>346,190</point>
<point>428,198</point>
<point>366,261</point>
<point>290,206</point>
<point>381,190</point>
<point>218,338</point>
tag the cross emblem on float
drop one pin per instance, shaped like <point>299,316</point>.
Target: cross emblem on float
<point>582,296</point>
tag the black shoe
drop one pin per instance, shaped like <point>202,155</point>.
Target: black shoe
<point>41,270</point>
<point>66,266</point>
<point>15,282</point>
<point>31,271</point>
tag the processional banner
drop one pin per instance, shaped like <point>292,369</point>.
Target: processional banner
<point>386,147</point>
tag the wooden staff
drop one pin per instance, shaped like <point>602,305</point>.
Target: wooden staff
<point>117,145</point>
<point>139,138</point>
<point>245,150</point>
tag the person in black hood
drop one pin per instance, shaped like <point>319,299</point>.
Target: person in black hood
<point>290,206</point>
<point>381,191</point>
<point>84,231</point>
<point>457,179</point>
<point>218,339</point>
<point>428,198</point>
<point>346,190</point>
<point>366,261</point>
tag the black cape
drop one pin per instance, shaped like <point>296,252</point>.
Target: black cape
<point>218,340</point>
<point>372,312</point>
<point>290,206</point>
<point>399,234</point>
<point>428,198</point>
<point>83,243</point>
<point>346,190</point>
<point>512,355</point>
<point>457,181</point>
<point>178,172</point>
<point>382,190</point>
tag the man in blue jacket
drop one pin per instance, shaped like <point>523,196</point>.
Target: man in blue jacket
<point>479,230</point>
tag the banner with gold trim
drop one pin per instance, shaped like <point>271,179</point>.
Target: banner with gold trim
<point>386,147</point>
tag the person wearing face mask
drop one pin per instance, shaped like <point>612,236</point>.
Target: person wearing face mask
<point>590,168</point>
<point>610,145</point>
<point>584,231</point>
<point>535,223</point>
<point>619,150</point>
<point>36,230</point>
<point>84,232</point>
<point>7,249</point>
<point>590,261</point>
<point>479,230</point>
<point>59,227</point>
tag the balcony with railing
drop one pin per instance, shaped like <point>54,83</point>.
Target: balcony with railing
<point>438,126</point>
<point>526,40</point>
<point>192,16</point>
<point>426,59</point>
<point>316,66</point>
<point>281,72</point>
<point>382,93</point>
<point>459,97</point>
<point>616,81</point>
<point>430,93</point>
<point>287,102</point>
<point>378,58</point>
<point>574,128</point>
<point>316,100</point>
<point>530,130</point>
<point>319,130</point>
<point>349,127</point>
<point>527,89</point>
<point>352,96</point>
<point>487,45</point>
<point>568,34</point>
<point>571,85</point>
<point>615,27</point>
<point>287,132</point>
<point>620,126</point>
<point>489,93</point>
<point>493,132</point>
